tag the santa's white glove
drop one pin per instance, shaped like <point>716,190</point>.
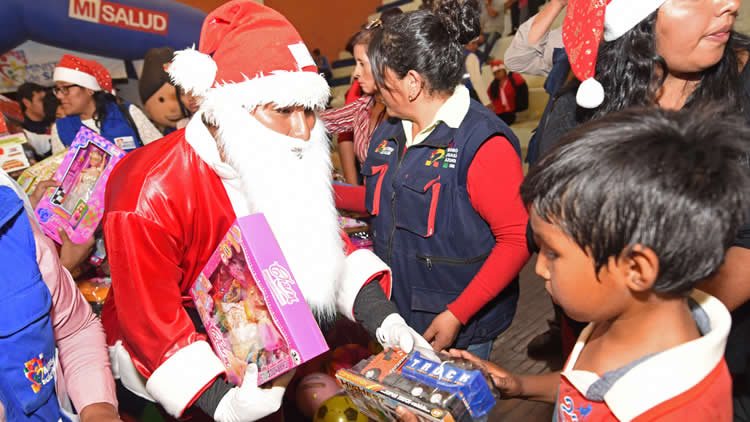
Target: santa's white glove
<point>394,332</point>
<point>249,402</point>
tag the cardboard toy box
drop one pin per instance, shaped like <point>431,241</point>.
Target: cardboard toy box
<point>12,155</point>
<point>251,306</point>
<point>434,391</point>
<point>77,205</point>
<point>42,170</point>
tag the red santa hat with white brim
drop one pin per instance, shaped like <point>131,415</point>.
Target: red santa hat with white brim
<point>496,65</point>
<point>586,23</point>
<point>249,55</point>
<point>86,73</point>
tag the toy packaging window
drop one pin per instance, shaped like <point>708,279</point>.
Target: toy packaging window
<point>251,306</point>
<point>436,388</point>
<point>77,204</point>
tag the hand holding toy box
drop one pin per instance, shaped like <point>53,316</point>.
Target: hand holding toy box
<point>447,390</point>
<point>251,306</point>
<point>42,170</point>
<point>77,205</point>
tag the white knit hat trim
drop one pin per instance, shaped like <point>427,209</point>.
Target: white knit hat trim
<point>195,72</point>
<point>622,15</point>
<point>66,74</point>
<point>284,89</point>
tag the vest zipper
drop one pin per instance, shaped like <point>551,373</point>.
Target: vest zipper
<point>393,204</point>
<point>428,260</point>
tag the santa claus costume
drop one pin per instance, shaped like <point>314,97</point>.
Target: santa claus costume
<point>169,204</point>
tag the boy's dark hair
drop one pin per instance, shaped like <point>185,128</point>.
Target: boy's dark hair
<point>672,181</point>
<point>27,90</point>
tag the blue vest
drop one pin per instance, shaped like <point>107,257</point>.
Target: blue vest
<point>114,126</point>
<point>424,225</point>
<point>27,360</point>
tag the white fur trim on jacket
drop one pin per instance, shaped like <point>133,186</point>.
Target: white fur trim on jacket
<point>360,267</point>
<point>622,15</point>
<point>181,378</point>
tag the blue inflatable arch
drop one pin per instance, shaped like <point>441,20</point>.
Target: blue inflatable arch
<point>122,29</point>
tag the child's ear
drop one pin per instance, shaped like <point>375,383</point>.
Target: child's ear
<point>642,267</point>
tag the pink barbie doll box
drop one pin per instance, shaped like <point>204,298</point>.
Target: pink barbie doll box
<point>251,306</point>
<point>77,205</point>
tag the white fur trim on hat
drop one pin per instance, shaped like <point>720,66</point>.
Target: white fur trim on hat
<point>590,94</point>
<point>284,89</point>
<point>192,71</point>
<point>622,15</point>
<point>66,74</point>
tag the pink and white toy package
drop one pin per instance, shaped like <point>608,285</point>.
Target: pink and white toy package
<point>251,306</point>
<point>77,205</point>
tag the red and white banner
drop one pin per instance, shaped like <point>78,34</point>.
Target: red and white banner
<point>121,16</point>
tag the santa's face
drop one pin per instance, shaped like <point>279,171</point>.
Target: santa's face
<point>283,159</point>
<point>293,121</point>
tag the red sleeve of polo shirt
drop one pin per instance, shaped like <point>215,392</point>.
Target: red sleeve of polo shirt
<point>349,197</point>
<point>493,182</point>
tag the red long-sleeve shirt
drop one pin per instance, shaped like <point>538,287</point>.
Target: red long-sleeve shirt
<point>493,183</point>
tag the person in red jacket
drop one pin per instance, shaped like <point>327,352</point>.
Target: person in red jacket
<point>253,146</point>
<point>502,91</point>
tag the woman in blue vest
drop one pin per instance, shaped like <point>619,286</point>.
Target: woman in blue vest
<point>84,87</point>
<point>49,337</point>
<point>442,179</point>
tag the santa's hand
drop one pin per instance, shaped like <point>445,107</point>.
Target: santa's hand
<point>249,402</point>
<point>394,332</point>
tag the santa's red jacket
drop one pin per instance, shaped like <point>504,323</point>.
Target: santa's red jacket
<point>166,210</point>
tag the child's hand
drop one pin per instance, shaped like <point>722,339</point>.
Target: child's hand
<point>506,382</point>
<point>39,190</point>
<point>72,254</point>
<point>405,415</point>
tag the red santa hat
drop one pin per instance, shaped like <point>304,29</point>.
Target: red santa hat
<point>86,73</point>
<point>585,24</point>
<point>249,55</point>
<point>496,65</point>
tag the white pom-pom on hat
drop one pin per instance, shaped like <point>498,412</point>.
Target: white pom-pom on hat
<point>590,94</point>
<point>193,71</point>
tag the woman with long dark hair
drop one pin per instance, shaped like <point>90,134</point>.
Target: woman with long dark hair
<point>675,54</point>
<point>442,178</point>
<point>84,87</point>
<point>361,116</point>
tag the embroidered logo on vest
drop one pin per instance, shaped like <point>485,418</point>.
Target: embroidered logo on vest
<point>39,371</point>
<point>445,158</point>
<point>384,149</point>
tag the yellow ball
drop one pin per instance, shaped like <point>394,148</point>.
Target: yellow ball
<point>338,408</point>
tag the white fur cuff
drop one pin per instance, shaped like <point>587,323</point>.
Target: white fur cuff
<point>178,381</point>
<point>360,267</point>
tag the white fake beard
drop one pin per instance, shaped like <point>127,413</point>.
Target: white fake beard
<point>289,181</point>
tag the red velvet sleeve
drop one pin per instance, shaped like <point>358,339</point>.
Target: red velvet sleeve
<point>144,261</point>
<point>493,182</point>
